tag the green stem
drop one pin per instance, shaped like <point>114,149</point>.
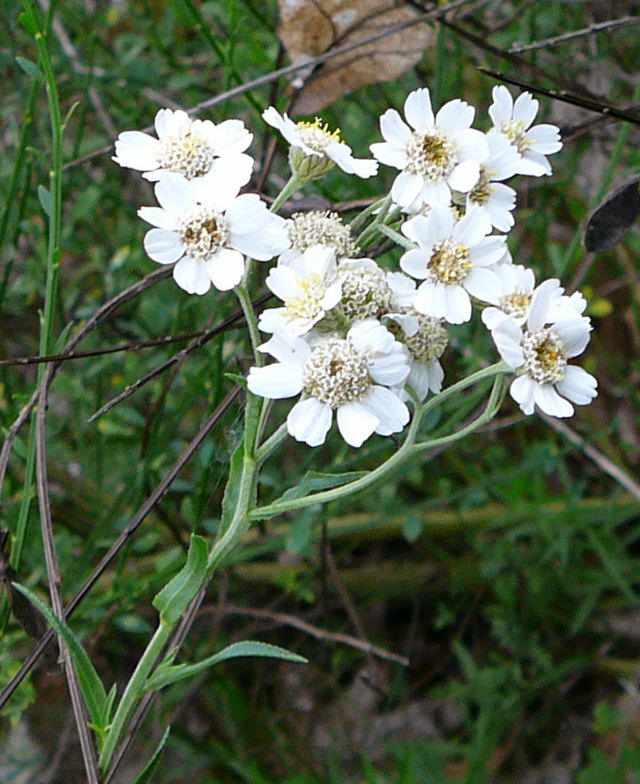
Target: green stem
<point>500,368</point>
<point>133,692</point>
<point>290,187</point>
<point>398,238</point>
<point>381,204</point>
<point>272,443</point>
<point>252,323</point>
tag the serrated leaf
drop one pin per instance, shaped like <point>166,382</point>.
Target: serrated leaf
<point>613,217</point>
<point>30,68</point>
<point>92,688</point>
<point>314,481</point>
<point>311,27</point>
<point>44,196</point>
<point>174,598</point>
<point>164,676</point>
<point>144,777</point>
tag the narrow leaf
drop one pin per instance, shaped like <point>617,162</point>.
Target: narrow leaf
<point>30,68</point>
<point>90,683</point>
<point>230,498</point>
<point>44,197</point>
<point>144,777</point>
<point>164,676</point>
<point>174,598</point>
<point>613,217</point>
<point>314,481</point>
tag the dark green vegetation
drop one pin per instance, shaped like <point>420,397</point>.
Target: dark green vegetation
<point>505,569</point>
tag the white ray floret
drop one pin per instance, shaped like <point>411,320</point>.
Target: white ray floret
<point>315,149</point>
<point>309,287</point>
<point>208,230</point>
<point>349,375</point>
<point>454,260</point>
<point>193,148</point>
<point>489,193</point>
<point>514,120</point>
<point>539,351</point>
<point>436,154</point>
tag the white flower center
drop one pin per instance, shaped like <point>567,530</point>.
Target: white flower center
<point>186,153</point>
<point>430,340</point>
<point>365,293</point>
<point>483,189</point>
<point>317,135</point>
<point>516,304</point>
<point>203,232</point>
<point>308,303</point>
<point>449,263</point>
<point>336,373</point>
<point>545,357</point>
<point>431,155</point>
<point>517,134</point>
<point>321,228</point>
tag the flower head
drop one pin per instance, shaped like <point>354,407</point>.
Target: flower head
<point>315,148</point>
<point>491,195</point>
<point>192,148</point>
<point>436,154</point>
<point>318,227</point>
<point>452,260</point>
<point>206,230</point>
<point>513,120</point>
<point>540,350</point>
<point>349,375</point>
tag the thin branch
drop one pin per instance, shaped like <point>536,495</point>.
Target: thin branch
<point>428,16</point>
<point>597,27</point>
<point>566,97</point>
<point>124,537</point>
<point>53,573</point>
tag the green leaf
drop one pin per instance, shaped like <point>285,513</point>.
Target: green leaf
<point>230,498</point>
<point>237,379</point>
<point>164,675</point>
<point>70,113</point>
<point>30,68</point>
<point>90,683</point>
<point>149,769</point>
<point>174,598</point>
<point>412,527</point>
<point>314,481</point>
<point>44,195</point>
<point>27,20</point>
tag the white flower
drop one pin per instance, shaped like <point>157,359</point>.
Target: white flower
<point>440,154</point>
<point>514,121</point>
<point>350,376</point>
<point>208,229</point>
<point>489,193</point>
<point>308,286</point>
<point>366,289</point>
<point>193,148</point>
<point>540,354</point>
<point>318,227</point>
<point>318,147</point>
<point>517,284</point>
<point>453,260</point>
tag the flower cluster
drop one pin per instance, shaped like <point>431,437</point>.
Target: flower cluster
<point>349,335</point>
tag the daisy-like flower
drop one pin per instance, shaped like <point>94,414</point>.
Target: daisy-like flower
<point>208,229</point>
<point>193,148</point>
<point>517,285</point>
<point>540,355</point>
<point>491,195</point>
<point>318,227</point>
<point>315,149</point>
<point>513,120</point>
<point>452,260</point>
<point>308,286</point>
<point>349,375</point>
<point>436,154</point>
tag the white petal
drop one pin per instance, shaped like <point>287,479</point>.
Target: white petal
<point>175,193</point>
<point>525,109</point>
<point>455,115</point>
<point>287,348</point>
<point>283,282</point>
<point>390,410</point>
<point>547,291</point>
<point>435,194</point>
<point>356,423</point>
<point>163,246</point>
<point>471,229</point>
<point>414,263</point>
<point>491,317</point>
<point>578,385</point>
<point>230,137</point>
<point>488,251</point>
<point>502,107</point>
<point>471,145</point>
<point>458,310</point>
<point>545,138</point>
<point>533,164</point>
<point>225,269</point>
<point>156,216</point>
<point>417,109</point>
<point>390,369</point>
<point>507,336</point>
<point>550,401</point>
<point>483,284</point>
<point>389,155</point>
<point>437,226</point>
<point>137,150</point>
<point>523,392</point>
<point>371,334</point>
<point>341,154</point>
<point>233,170</point>
<point>393,129</point>
<point>191,276</point>
<point>309,421</point>
<point>405,188</point>
<point>431,299</point>
<point>275,381</point>
<point>574,333</point>
<point>464,176</point>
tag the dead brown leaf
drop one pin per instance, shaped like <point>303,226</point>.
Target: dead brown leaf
<point>311,27</point>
